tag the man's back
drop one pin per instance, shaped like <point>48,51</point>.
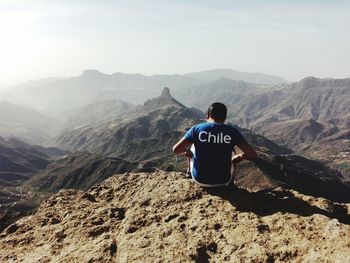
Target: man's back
<point>214,143</point>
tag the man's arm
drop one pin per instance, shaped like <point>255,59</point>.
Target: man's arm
<point>181,147</point>
<point>248,153</point>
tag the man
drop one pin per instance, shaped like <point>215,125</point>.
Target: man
<point>213,142</point>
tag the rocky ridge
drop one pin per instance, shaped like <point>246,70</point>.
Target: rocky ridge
<point>146,132</point>
<point>163,217</point>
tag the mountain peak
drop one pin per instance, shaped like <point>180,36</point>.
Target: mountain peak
<point>313,82</point>
<point>165,99</point>
<point>165,92</point>
<point>92,72</point>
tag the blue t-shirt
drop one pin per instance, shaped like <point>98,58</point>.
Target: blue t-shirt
<point>214,143</point>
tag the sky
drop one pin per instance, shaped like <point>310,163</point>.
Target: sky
<point>292,39</point>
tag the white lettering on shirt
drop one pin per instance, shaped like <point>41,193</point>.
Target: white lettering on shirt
<point>212,138</point>
<point>202,132</point>
<point>227,139</point>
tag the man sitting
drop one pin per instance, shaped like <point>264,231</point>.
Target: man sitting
<point>213,142</point>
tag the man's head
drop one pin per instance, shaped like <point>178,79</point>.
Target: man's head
<point>217,111</point>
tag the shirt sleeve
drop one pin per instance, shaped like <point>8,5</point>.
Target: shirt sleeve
<point>190,134</point>
<point>238,137</point>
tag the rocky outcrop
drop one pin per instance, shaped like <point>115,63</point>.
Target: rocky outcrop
<point>147,132</point>
<point>21,192</point>
<point>161,216</point>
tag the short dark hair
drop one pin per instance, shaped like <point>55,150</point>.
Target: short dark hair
<point>217,111</point>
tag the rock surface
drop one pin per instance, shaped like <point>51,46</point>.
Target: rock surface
<point>163,217</point>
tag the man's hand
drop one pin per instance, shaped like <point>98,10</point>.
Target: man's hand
<point>237,158</point>
<point>248,152</point>
<point>181,147</point>
<point>188,154</point>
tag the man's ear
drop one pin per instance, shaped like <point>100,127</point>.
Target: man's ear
<point>207,115</point>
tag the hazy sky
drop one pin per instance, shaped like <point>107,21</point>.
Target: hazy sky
<point>292,39</point>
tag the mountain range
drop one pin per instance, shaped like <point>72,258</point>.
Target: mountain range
<point>310,116</point>
<point>56,96</point>
<point>142,139</point>
<point>259,78</point>
<point>146,134</point>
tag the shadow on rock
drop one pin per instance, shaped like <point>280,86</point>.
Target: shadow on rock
<point>268,202</point>
<point>306,176</point>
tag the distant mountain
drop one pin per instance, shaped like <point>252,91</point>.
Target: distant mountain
<point>25,123</point>
<point>311,116</point>
<point>37,82</point>
<point>323,100</point>
<point>232,92</point>
<point>144,133</point>
<point>53,97</point>
<point>19,162</point>
<point>212,75</point>
<point>79,170</point>
<point>67,94</point>
<point>95,114</point>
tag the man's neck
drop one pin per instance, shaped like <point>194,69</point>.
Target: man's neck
<point>212,120</point>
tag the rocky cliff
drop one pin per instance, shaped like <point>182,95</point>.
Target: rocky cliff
<point>163,217</point>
